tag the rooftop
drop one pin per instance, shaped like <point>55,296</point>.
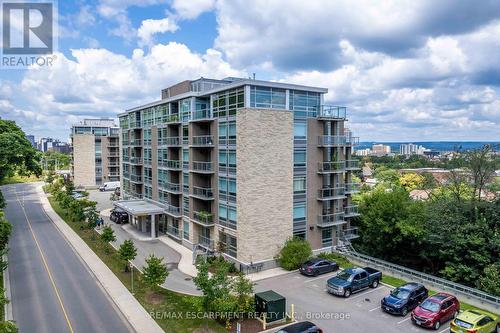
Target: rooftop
<point>139,207</point>
<point>97,122</point>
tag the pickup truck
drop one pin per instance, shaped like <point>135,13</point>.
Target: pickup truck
<point>353,280</point>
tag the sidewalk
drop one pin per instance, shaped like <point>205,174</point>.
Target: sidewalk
<point>177,280</point>
<point>132,310</point>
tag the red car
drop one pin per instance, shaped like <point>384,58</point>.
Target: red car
<point>436,310</point>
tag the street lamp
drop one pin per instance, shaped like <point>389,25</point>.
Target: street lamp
<point>131,275</point>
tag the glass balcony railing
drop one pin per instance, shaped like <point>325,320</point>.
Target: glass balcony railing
<point>170,164</point>
<point>203,193</point>
<point>332,112</point>
<point>172,210</point>
<point>136,160</point>
<point>352,165</point>
<point>330,219</point>
<point>202,167</point>
<point>205,242</point>
<point>169,141</point>
<point>352,188</point>
<point>135,142</point>
<point>136,178</point>
<point>201,115</point>
<point>169,187</point>
<point>203,141</point>
<point>331,167</point>
<point>203,218</point>
<point>173,231</point>
<point>337,140</point>
<point>173,118</point>
<point>331,193</point>
<point>350,233</point>
<point>351,211</point>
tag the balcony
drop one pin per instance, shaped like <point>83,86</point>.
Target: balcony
<point>172,210</point>
<point>170,119</point>
<point>174,232</point>
<point>169,187</point>
<point>147,161</point>
<point>169,141</point>
<point>202,167</point>
<point>114,174</point>
<point>113,155</point>
<point>329,112</point>
<point>352,165</point>
<point>201,115</point>
<point>148,180</point>
<point>348,234</point>
<point>170,164</point>
<point>331,167</point>
<point>147,142</point>
<point>113,165</point>
<point>329,220</point>
<point>331,193</point>
<point>203,193</point>
<point>136,160</point>
<point>135,142</point>
<point>126,159</point>
<point>135,124</point>
<point>337,140</point>
<point>351,211</point>
<point>351,188</point>
<point>205,219</point>
<point>206,242</point>
<point>136,178</point>
<point>202,141</point>
<point>125,142</point>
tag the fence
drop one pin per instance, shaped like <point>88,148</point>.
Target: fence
<point>443,284</point>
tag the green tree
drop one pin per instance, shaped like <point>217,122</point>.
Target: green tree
<point>8,327</point>
<point>2,201</point>
<point>294,252</point>
<point>16,152</point>
<point>388,176</point>
<point>127,252</point>
<point>481,164</point>
<point>5,231</point>
<point>490,280</point>
<point>243,289</point>
<point>155,272</point>
<point>108,235</point>
<point>411,181</point>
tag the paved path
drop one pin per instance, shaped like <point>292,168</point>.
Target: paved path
<point>52,289</point>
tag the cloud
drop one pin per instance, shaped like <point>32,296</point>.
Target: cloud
<point>150,27</point>
<point>193,8</point>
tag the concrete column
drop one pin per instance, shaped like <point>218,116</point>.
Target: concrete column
<point>153,225</point>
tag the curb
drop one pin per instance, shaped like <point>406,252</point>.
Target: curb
<point>135,314</point>
<point>6,285</point>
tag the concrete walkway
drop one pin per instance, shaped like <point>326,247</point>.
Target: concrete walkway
<point>132,310</point>
<point>177,280</point>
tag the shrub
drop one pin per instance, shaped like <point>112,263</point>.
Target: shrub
<point>294,252</point>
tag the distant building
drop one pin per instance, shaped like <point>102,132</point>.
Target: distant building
<point>409,149</point>
<point>61,147</point>
<point>363,152</point>
<point>381,150</point>
<point>31,139</point>
<point>96,152</point>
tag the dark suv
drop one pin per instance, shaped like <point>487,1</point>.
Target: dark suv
<point>404,299</point>
<point>119,216</point>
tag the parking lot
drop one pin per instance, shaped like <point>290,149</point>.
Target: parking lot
<point>359,313</point>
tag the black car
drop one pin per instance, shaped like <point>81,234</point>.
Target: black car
<point>404,299</point>
<point>119,216</point>
<point>302,327</point>
<point>316,266</point>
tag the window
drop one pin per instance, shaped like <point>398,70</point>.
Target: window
<point>300,130</point>
<point>227,102</point>
<point>186,229</point>
<point>326,237</point>
<point>299,212</point>
<point>299,158</point>
<point>299,185</point>
<point>269,98</point>
<point>304,103</point>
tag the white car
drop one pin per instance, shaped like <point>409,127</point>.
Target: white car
<point>109,186</point>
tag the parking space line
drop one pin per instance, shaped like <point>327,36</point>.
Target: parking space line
<point>378,307</point>
<point>362,294</point>
<point>445,330</point>
<point>402,321</point>
<point>320,277</point>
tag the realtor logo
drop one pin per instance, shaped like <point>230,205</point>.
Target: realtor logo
<point>27,29</point>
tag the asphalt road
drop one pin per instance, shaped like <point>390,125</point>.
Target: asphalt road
<point>359,313</point>
<point>52,290</point>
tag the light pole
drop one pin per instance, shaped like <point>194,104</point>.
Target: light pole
<point>131,276</point>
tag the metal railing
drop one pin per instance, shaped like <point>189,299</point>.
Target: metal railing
<point>136,160</point>
<point>136,178</point>
<point>351,187</point>
<point>417,276</point>
<point>202,166</point>
<point>352,164</point>
<point>330,219</point>
<point>206,242</point>
<point>170,164</point>
<point>337,140</point>
<point>203,141</point>
<point>201,114</point>
<point>172,210</point>
<point>173,231</point>
<point>203,192</point>
<point>331,193</point>
<point>169,187</point>
<point>203,218</point>
<point>135,142</point>
<point>348,234</point>
<point>332,112</point>
<point>173,118</point>
<point>351,211</point>
<point>169,141</point>
<point>325,167</point>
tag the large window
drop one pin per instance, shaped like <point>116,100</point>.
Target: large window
<point>230,244</point>
<point>227,189</point>
<point>326,237</point>
<point>186,229</point>
<point>299,185</point>
<point>185,107</point>
<point>269,98</point>
<point>227,102</point>
<point>299,158</point>
<point>227,216</point>
<point>304,103</point>
<point>299,212</point>
<point>300,130</point>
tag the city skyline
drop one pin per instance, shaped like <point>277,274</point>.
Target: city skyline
<point>410,77</point>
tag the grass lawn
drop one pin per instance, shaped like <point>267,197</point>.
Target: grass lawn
<point>20,179</point>
<point>172,302</point>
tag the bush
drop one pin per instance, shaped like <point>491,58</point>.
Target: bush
<point>294,252</point>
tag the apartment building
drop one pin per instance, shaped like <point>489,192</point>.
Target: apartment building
<point>238,166</point>
<point>96,154</point>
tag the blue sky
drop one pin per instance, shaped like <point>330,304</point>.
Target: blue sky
<point>407,70</point>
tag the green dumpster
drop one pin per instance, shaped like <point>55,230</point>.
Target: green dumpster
<point>272,304</point>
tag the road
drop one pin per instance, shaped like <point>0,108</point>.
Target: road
<point>359,313</point>
<point>52,289</point>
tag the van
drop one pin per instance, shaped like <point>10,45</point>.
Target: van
<point>109,186</point>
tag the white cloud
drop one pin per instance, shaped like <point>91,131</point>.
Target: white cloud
<point>151,27</point>
<point>191,9</point>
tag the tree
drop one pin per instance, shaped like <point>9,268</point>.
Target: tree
<point>108,234</point>
<point>411,181</point>
<point>127,252</point>
<point>16,152</point>
<point>8,327</point>
<point>155,272</point>
<point>294,252</point>
<point>388,176</point>
<point>2,201</point>
<point>481,164</point>
<point>5,231</point>
<point>490,280</point>
<point>243,289</point>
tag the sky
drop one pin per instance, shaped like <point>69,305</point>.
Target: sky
<point>408,70</point>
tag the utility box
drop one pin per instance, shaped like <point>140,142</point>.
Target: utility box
<point>272,304</point>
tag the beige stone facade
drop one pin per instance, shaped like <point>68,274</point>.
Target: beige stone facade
<point>84,160</point>
<point>264,181</point>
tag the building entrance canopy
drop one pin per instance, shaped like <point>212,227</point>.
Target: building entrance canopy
<point>139,207</point>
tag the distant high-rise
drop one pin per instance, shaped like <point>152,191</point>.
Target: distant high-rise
<point>31,139</point>
<point>411,149</point>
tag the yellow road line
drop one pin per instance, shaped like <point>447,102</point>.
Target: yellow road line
<point>46,267</point>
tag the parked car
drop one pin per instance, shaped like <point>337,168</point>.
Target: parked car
<point>77,195</point>
<point>436,310</point>
<point>353,280</point>
<point>316,266</point>
<point>301,327</point>
<point>404,298</point>
<point>119,216</point>
<point>475,321</point>
<point>109,186</point>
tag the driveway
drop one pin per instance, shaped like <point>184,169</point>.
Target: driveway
<point>359,313</point>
